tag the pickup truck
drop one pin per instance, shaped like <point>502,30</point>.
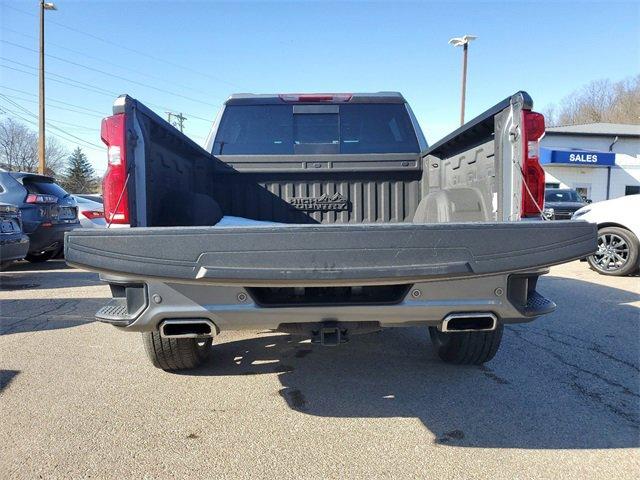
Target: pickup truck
<point>324,215</point>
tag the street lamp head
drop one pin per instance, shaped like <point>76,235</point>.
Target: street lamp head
<point>461,41</point>
<point>49,6</point>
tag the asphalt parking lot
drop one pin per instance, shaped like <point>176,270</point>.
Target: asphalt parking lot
<point>79,399</point>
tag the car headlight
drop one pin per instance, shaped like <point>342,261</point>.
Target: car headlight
<point>581,212</point>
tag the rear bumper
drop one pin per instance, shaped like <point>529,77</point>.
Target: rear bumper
<point>49,238</point>
<point>145,306</point>
<point>13,247</point>
<point>264,277</point>
<point>306,255</point>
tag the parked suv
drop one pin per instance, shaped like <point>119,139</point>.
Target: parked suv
<point>563,201</point>
<point>14,244</point>
<point>47,211</point>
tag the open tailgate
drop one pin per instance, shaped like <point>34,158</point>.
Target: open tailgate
<point>328,254</point>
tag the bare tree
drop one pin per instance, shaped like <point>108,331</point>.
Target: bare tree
<point>55,155</point>
<point>599,101</point>
<point>19,149</point>
<point>16,145</point>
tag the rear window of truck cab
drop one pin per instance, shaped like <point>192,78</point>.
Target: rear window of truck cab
<point>315,129</point>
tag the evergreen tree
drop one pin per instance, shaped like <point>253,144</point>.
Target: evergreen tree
<point>80,176</point>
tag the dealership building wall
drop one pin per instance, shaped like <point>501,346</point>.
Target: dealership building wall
<point>600,160</point>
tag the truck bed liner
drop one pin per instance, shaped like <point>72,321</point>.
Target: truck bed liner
<point>328,254</point>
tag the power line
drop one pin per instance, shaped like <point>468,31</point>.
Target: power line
<point>51,125</point>
<point>33,123</point>
<point>180,119</point>
<point>102,72</point>
<point>65,81</point>
<point>107,62</point>
<point>90,112</point>
<point>133,50</point>
<point>81,127</point>
<point>53,100</point>
<point>86,86</point>
<point>31,100</point>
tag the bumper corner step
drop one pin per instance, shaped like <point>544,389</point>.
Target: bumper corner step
<point>115,312</point>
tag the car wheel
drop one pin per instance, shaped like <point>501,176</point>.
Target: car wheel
<point>40,257</point>
<point>176,353</point>
<point>466,348</point>
<point>617,252</point>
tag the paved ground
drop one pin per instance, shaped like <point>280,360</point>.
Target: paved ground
<point>79,399</point>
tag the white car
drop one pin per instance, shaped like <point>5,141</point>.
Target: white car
<point>618,232</point>
<point>90,213</point>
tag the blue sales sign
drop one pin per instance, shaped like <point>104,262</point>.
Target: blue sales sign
<point>577,157</point>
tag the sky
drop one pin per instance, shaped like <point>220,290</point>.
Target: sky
<point>188,57</point>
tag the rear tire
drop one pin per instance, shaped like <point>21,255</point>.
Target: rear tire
<point>40,257</point>
<point>171,354</point>
<point>617,253</point>
<point>466,348</point>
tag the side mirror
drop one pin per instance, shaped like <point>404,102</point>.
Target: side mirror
<point>588,200</point>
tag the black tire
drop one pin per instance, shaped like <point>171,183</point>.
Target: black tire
<point>176,353</point>
<point>40,257</point>
<point>622,244</point>
<point>466,348</point>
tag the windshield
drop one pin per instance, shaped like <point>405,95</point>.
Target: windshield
<point>281,130</point>
<point>562,196</point>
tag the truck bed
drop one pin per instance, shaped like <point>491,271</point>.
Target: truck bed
<point>175,182</point>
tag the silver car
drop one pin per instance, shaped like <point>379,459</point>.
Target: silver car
<point>90,213</point>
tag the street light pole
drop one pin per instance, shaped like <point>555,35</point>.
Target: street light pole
<point>464,43</point>
<point>465,50</point>
<point>41,119</point>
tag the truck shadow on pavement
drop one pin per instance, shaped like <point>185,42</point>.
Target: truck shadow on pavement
<point>25,266</point>
<point>568,381</point>
<point>6,377</point>
<point>31,300</point>
<point>46,275</point>
<point>20,316</point>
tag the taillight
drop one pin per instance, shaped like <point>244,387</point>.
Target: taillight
<point>114,187</point>
<point>533,174</point>
<point>39,198</point>
<point>315,97</point>
<point>92,214</point>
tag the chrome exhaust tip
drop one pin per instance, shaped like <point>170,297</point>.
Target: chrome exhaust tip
<point>469,322</point>
<point>187,328</point>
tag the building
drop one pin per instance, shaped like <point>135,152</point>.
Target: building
<point>600,160</point>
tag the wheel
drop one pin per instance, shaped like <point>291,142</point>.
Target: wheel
<point>176,353</point>
<point>617,252</point>
<point>40,257</point>
<point>466,348</point>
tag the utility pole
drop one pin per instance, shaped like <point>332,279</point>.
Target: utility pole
<point>41,119</point>
<point>464,43</point>
<point>179,120</point>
